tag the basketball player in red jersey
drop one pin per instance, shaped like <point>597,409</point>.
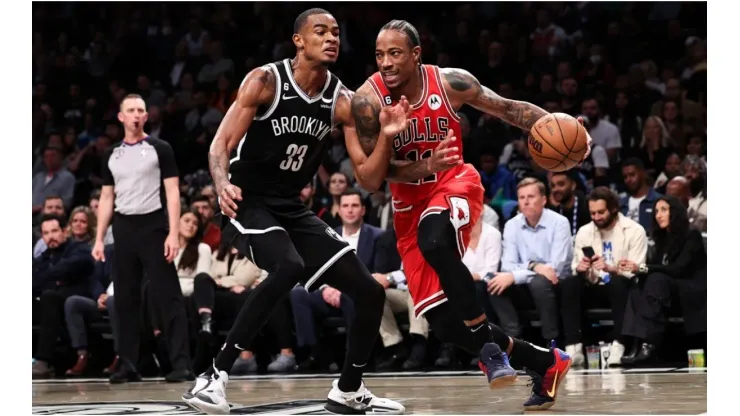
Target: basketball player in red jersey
<point>436,198</point>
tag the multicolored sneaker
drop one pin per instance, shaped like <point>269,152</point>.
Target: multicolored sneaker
<point>495,365</point>
<point>545,388</point>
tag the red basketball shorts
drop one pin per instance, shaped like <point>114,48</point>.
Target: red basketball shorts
<point>463,197</point>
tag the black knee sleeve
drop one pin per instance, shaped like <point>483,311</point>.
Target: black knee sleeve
<point>438,243</point>
<point>437,236</point>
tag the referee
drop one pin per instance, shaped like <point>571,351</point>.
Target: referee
<point>135,173</point>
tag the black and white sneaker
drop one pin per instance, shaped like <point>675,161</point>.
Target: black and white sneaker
<point>360,402</point>
<point>208,393</point>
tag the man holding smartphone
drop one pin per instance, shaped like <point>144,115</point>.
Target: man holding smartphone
<point>600,247</point>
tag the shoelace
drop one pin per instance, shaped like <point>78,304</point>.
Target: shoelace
<point>535,383</point>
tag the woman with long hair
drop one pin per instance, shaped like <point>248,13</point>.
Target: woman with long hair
<point>82,225</point>
<point>338,183</point>
<point>678,264</point>
<point>655,147</point>
<point>219,298</point>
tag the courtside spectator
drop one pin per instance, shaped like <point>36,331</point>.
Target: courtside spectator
<point>613,238</point>
<point>212,232</point>
<point>193,257</point>
<point>603,132</point>
<point>671,170</point>
<point>53,205</point>
<point>61,271</point>
<point>54,180</point>
<point>676,271</point>
<point>568,201</point>
<point>80,310</point>
<point>537,253</point>
<point>695,170</point>
<point>638,204</point>
<point>655,147</point>
<point>680,188</point>
<point>81,228</point>
<point>338,183</point>
<point>496,178</point>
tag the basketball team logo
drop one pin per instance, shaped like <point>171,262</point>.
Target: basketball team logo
<point>434,101</point>
<point>333,234</point>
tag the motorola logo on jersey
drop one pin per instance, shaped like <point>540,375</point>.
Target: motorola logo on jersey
<point>300,124</point>
<point>434,102</point>
<point>419,131</point>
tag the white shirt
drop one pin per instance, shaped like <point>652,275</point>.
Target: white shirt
<point>606,135</point>
<point>202,266</point>
<point>490,217</point>
<point>599,157</point>
<point>633,211</point>
<point>352,239</point>
<point>486,256</point>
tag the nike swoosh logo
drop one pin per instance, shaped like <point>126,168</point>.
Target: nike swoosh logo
<point>551,393</point>
<point>285,97</point>
<point>327,100</point>
<point>238,348</point>
<point>461,175</point>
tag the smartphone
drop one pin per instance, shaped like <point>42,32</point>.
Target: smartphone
<point>589,252</point>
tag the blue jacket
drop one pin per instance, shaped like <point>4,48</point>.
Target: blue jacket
<point>500,180</point>
<point>646,209</point>
<point>366,244</point>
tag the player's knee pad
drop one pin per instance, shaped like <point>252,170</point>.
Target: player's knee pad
<point>437,236</point>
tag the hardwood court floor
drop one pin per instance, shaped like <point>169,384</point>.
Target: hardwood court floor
<point>662,391</point>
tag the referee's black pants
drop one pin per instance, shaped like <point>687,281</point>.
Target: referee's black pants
<point>139,251</point>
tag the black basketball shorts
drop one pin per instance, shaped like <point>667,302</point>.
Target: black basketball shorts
<point>265,235</point>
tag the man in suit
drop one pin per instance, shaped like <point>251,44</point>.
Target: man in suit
<point>328,301</point>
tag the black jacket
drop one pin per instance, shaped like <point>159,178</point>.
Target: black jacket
<point>68,268</point>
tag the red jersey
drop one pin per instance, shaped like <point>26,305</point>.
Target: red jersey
<point>431,118</point>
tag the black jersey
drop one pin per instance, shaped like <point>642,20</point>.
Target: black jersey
<point>286,142</point>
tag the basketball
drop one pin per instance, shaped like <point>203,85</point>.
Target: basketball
<point>557,142</point>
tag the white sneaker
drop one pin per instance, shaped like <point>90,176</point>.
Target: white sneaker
<point>360,402</point>
<point>576,354</point>
<point>208,394</point>
<point>616,351</point>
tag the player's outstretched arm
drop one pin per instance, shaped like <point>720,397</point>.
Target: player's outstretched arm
<point>257,88</point>
<point>464,88</point>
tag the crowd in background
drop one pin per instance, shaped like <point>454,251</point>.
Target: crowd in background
<point>635,71</point>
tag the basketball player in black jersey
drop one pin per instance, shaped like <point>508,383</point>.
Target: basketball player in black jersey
<point>280,128</point>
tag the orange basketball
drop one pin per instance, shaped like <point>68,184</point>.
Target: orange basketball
<point>557,142</point>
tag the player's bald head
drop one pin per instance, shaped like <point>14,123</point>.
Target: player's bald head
<point>302,18</point>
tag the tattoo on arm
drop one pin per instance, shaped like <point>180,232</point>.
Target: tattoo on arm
<point>218,162</point>
<point>518,113</point>
<point>367,121</point>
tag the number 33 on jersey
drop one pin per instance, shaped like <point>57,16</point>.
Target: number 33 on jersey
<point>287,140</point>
